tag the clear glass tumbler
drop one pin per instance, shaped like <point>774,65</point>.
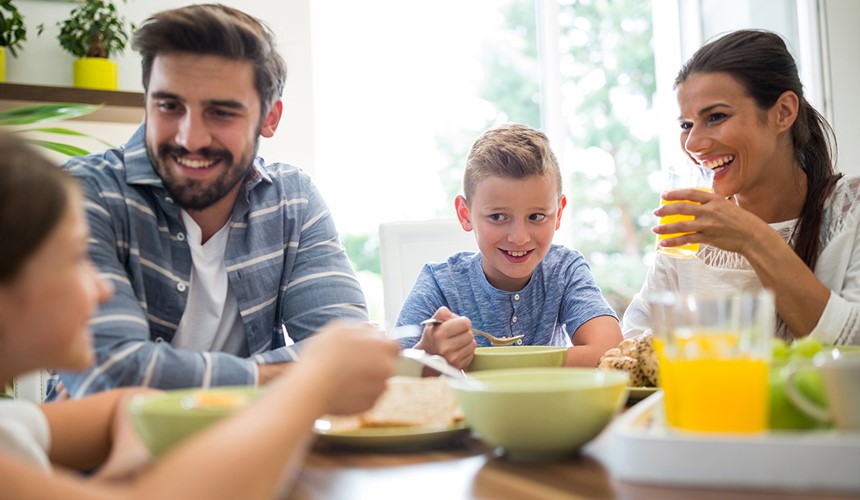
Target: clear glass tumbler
<point>686,175</point>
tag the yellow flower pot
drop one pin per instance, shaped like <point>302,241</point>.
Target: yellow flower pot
<point>96,73</point>
<point>2,64</point>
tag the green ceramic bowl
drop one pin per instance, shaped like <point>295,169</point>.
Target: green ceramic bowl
<point>164,419</point>
<point>540,413</point>
<point>517,356</point>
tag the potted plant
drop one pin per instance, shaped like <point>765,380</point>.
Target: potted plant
<point>93,32</point>
<point>12,33</point>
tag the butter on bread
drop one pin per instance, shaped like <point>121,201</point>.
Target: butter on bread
<point>414,401</point>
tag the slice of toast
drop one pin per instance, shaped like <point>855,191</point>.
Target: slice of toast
<point>413,401</point>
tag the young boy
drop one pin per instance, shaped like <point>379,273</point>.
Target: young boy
<point>519,282</point>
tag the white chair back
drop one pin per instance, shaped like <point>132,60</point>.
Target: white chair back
<point>404,248</point>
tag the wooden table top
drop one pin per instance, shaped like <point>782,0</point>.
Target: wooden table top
<point>469,469</point>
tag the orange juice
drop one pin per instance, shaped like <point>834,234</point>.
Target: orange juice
<point>687,251</point>
<point>665,381</point>
<point>708,389</point>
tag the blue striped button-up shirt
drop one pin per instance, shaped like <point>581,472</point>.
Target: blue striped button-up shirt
<point>284,263</point>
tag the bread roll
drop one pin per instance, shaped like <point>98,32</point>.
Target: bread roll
<point>636,357</point>
<point>647,358</point>
<point>627,364</point>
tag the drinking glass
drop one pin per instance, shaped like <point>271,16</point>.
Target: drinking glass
<point>714,355</point>
<point>685,175</point>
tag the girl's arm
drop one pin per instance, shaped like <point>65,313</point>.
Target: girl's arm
<point>81,430</point>
<point>343,370</point>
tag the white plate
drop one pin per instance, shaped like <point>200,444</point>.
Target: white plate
<point>391,438</point>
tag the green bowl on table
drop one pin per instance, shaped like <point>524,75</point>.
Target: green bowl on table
<point>540,413</point>
<point>163,419</point>
<point>518,356</point>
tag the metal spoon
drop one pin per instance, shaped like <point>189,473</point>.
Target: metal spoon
<point>433,361</point>
<point>492,338</point>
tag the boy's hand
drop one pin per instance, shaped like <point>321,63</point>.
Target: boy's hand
<point>452,340</point>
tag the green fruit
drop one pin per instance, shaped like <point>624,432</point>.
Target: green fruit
<point>806,347</point>
<point>810,384</point>
<point>780,350</point>
<point>783,414</point>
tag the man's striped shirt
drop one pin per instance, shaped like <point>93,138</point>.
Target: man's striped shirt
<point>284,262</point>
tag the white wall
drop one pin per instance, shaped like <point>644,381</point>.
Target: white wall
<point>42,61</point>
<point>842,45</point>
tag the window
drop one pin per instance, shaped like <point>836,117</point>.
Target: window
<point>402,89</point>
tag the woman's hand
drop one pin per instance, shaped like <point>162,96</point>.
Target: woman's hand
<point>718,222</point>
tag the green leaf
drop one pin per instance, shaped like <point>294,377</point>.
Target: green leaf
<point>65,131</point>
<point>38,113</point>
<point>95,29</point>
<point>66,149</point>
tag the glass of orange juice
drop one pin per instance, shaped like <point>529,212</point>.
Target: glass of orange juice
<point>685,175</point>
<point>714,356</point>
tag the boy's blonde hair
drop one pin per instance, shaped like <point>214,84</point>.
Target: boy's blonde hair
<point>512,150</point>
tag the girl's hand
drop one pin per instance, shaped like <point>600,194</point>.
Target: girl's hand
<point>350,362</point>
<point>128,455</point>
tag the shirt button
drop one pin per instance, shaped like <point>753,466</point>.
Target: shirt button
<point>517,296</point>
<point>180,236</point>
<point>514,319</point>
<point>181,287</point>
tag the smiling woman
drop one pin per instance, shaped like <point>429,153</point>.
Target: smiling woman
<point>780,217</point>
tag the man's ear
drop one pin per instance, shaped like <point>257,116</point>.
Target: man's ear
<point>463,215</point>
<point>270,123</point>
<point>562,202</point>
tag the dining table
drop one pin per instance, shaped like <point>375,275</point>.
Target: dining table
<point>470,469</point>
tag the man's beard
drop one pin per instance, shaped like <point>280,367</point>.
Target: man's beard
<point>192,194</point>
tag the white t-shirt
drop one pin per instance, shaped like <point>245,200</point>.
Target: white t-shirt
<point>24,432</point>
<point>211,320</point>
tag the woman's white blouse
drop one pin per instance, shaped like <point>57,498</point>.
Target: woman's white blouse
<point>838,268</point>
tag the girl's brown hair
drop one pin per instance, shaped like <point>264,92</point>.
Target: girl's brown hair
<point>34,196</point>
